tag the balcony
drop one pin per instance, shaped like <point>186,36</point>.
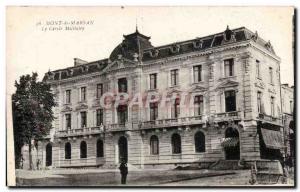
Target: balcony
<point>81,131</point>
<point>227,116</point>
<point>270,119</point>
<point>162,123</point>
<point>121,126</point>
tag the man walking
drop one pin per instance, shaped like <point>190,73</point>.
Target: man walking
<point>124,171</point>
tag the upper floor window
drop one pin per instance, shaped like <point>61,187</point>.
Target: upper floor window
<point>68,96</point>
<point>122,85</point>
<point>174,77</point>
<point>99,118</point>
<point>230,101</point>
<point>153,111</point>
<point>176,108</point>
<point>259,102</point>
<point>83,119</point>
<point>272,106</point>
<point>198,104</point>
<point>99,91</point>
<point>122,111</point>
<point>271,74</point>
<point>229,66</point>
<point>257,69</point>
<point>83,94</point>
<point>153,81</point>
<point>68,120</point>
<point>197,73</point>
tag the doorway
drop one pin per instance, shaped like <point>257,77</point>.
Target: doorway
<point>123,149</point>
<point>48,154</point>
<point>232,146</point>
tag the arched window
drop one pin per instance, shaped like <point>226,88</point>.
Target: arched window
<point>100,148</point>
<point>154,145</point>
<point>83,149</point>
<point>176,143</point>
<point>68,151</point>
<point>199,142</point>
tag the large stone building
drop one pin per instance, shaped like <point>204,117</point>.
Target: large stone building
<point>211,98</point>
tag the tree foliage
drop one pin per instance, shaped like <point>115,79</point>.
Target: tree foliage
<point>32,112</point>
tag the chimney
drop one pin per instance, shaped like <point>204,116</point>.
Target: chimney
<point>78,62</point>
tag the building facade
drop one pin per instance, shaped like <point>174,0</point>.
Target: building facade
<point>205,99</point>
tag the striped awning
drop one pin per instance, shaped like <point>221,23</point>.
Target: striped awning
<point>230,142</point>
<point>272,139</point>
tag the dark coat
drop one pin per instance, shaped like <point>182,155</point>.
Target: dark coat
<point>123,169</point>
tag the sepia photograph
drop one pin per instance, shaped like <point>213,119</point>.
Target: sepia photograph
<point>149,96</point>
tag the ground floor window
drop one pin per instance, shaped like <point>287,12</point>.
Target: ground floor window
<point>100,148</point>
<point>67,151</point>
<point>176,143</point>
<point>83,149</point>
<point>199,142</point>
<point>154,145</point>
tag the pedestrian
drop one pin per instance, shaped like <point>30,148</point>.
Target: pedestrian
<point>38,162</point>
<point>124,171</point>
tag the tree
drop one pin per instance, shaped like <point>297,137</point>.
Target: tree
<point>32,113</point>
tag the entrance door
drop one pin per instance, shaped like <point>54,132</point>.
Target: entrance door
<point>123,149</point>
<point>48,154</point>
<point>232,151</point>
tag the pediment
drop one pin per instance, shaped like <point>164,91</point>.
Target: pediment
<point>120,64</point>
<point>82,106</point>
<point>228,83</point>
<point>197,88</point>
<point>172,91</point>
<point>66,109</point>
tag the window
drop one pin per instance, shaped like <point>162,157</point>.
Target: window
<point>68,151</point>
<point>83,93</point>
<point>122,114</point>
<point>174,77</point>
<point>68,121</point>
<point>176,143</point>
<point>176,108</point>
<point>68,96</point>
<point>100,148</point>
<point>83,149</point>
<point>154,145</point>
<point>229,64</point>
<point>198,104</point>
<point>257,69</point>
<point>199,142</point>
<point>99,91</point>
<point>291,106</point>
<point>230,103</point>
<point>153,111</point>
<point>99,118</point>
<point>259,104</point>
<point>153,81</point>
<point>83,119</point>
<point>271,74</point>
<point>197,73</point>
<point>122,85</point>
<point>272,107</point>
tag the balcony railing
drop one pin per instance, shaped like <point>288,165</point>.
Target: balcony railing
<point>122,126</point>
<point>233,115</point>
<point>270,119</point>
<point>81,131</point>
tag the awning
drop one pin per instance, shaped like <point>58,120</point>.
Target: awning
<point>230,142</point>
<point>272,139</point>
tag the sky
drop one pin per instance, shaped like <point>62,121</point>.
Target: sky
<point>29,48</point>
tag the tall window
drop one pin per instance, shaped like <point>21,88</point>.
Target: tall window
<point>259,102</point>
<point>83,149</point>
<point>99,91</point>
<point>68,96</point>
<point>68,151</point>
<point>68,120</point>
<point>176,143</point>
<point>176,108</point>
<point>153,81</point>
<point>174,77</point>
<point>197,73</point>
<point>199,142</point>
<point>122,85</point>
<point>83,93</point>
<point>83,118</point>
<point>230,101</point>
<point>99,118</point>
<point>198,104</point>
<point>257,69</point>
<point>272,107</point>
<point>271,74</point>
<point>154,145</point>
<point>100,148</point>
<point>122,111</point>
<point>229,66</point>
<point>153,111</point>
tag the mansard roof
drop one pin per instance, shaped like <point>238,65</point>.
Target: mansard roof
<point>137,47</point>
